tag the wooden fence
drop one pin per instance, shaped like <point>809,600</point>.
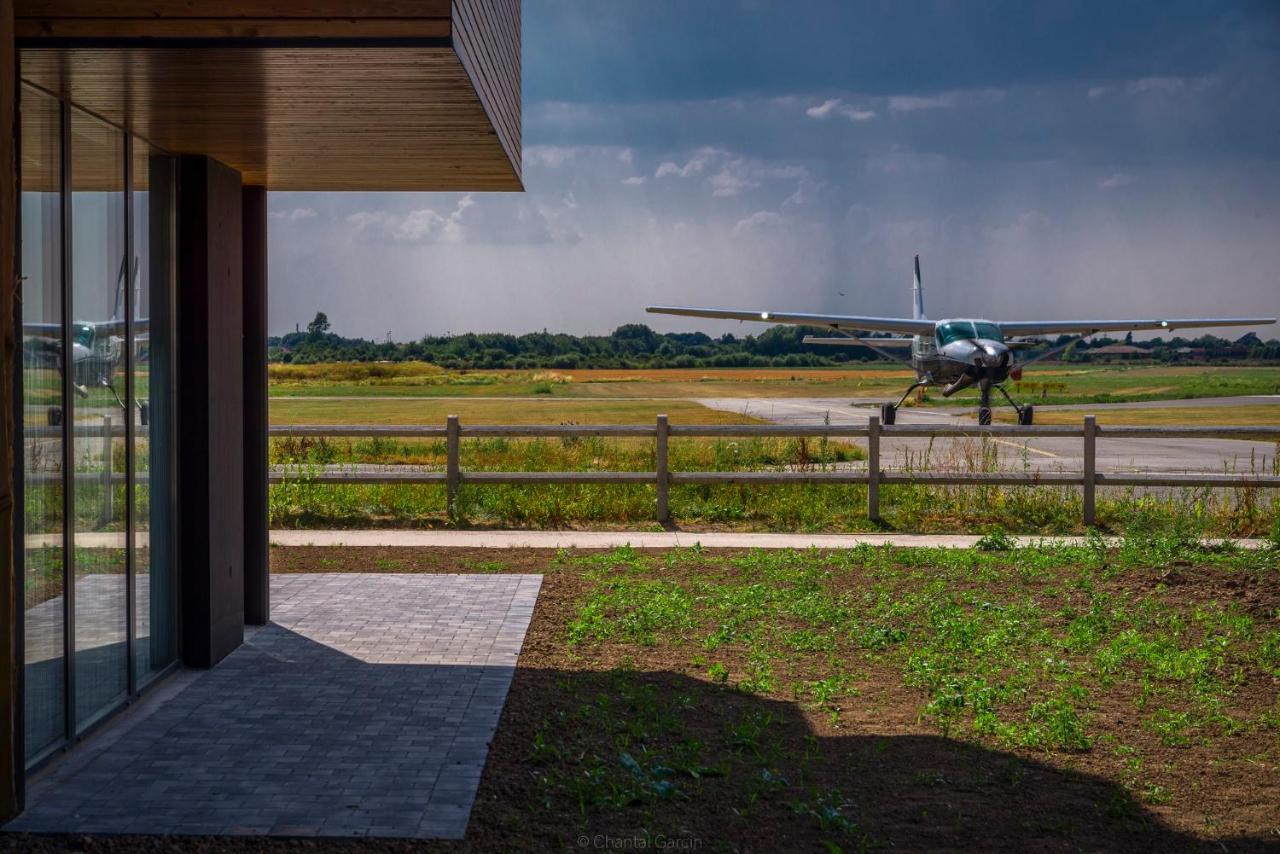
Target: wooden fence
<point>874,476</point>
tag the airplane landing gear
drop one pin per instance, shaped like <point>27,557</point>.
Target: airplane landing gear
<point>984,404</point>
<point>1026,412</point>
<point>889,411</point>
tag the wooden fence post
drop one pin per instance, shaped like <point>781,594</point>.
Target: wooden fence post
<point>1090,469</point>
<point>108,466</point>
<point>661,467</point>
<point>452,476</point>
<point>873,468</point>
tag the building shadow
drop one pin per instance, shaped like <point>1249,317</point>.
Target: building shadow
<point>293,737</point>
<point>722,768</point>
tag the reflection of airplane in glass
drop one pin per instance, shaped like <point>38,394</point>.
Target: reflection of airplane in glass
<point>956,353</point>
<point>97,351</point>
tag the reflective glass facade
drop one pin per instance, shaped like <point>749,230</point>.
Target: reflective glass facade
<point>97,385</point>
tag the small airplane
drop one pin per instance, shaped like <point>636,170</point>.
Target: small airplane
<point>956,353</point>
<point>97,351</point>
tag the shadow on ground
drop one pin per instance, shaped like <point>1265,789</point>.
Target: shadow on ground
<point>652,760</point>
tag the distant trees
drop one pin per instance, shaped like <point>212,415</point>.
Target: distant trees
<point>319,326</point>
<point>635,345</point>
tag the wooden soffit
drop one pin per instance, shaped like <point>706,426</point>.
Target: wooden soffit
<point>297,94</point>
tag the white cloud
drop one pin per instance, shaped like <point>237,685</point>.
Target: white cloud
<point>836,106</point>
<point>1098,91</point>
<point>693,166</point>
<point>1166,85</point>
<point>1119,179</point>
<point>943,101</point>
<point>417,226</point>
<point>758,221</point>
<point>295,214</point>
<point>912,103</point>
<point>634,180</point>
<point>729,181</point>
<point>555,156</point>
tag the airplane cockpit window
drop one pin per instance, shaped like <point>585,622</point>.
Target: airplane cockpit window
<point>84,334</point>
<point>954,330</point>
<point>988,331</point>
<point>962,330</point>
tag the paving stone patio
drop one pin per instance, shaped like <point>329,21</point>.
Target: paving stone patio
<point>365,709</point>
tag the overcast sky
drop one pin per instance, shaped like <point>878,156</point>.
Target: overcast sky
<point>1045,159</point>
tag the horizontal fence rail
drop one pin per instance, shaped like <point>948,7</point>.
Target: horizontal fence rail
<point>1089,479</point>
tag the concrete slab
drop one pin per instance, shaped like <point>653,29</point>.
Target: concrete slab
<point>364,709</point>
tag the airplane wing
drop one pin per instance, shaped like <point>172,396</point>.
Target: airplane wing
<point>901,325</point>
<point>1088,327</point>
<point>42,330</point>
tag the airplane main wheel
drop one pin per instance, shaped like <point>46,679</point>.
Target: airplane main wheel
<point>888,412</point>
<point>1026,415</point>
<point>984,416</point>
<point>54,416</point>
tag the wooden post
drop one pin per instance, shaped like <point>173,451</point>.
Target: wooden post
<point>108,466</point>
<point>452,477</point>
<point>660,465</point>
<point>873,468</point>
<point>1090,469</point>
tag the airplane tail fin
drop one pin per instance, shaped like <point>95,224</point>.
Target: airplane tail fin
<point>917,295</point>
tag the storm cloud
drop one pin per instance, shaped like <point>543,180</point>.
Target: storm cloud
<point>1110,160</point>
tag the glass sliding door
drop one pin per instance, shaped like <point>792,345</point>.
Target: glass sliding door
<point>44,573</point>
<point>98,282</point>
<point>154,556</point>
<point>100,572</point>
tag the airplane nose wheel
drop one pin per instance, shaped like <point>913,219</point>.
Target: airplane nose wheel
<point>1026,412</point>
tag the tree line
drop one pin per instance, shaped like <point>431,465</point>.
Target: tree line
<point>635,345</point>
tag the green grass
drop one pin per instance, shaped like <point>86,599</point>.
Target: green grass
<point>1082,383</point>
<point>1047,652</point>
<point>787,507</point>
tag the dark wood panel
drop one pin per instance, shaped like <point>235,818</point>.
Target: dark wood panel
<point>232,8</point>
<point>232,28</point>
<point>487,39</point>
<point>298,118</point>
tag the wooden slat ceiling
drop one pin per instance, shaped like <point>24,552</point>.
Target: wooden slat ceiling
<point>297,102</point>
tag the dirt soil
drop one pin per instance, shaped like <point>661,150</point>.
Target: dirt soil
<point>909,787</point>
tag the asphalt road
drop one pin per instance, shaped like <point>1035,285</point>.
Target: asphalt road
<point>1115,455</point>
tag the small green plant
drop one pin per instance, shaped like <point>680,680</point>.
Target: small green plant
<point>995,540</point>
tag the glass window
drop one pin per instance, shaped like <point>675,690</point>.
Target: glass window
<point>954,330</point>
<point>42,510</point>
<point>988,331</point>
<point>98,447</point>
<point>154,557</point>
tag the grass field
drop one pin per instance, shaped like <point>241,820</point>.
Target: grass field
<point>1079,384</point>
<point>534,410</point>
<point>1041,699</point>
<point>615,397</point>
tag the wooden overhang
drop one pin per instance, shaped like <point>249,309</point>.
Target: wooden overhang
<point>297,94</point>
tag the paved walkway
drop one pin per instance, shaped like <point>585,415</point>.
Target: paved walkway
<point>644,539</point>
<point>365,709</point>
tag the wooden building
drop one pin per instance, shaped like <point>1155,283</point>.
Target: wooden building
<point>139,139</point>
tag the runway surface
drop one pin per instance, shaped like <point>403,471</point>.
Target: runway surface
<point>1065,454</point>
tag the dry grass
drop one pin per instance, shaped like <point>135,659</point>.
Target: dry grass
<point>480,410</point>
